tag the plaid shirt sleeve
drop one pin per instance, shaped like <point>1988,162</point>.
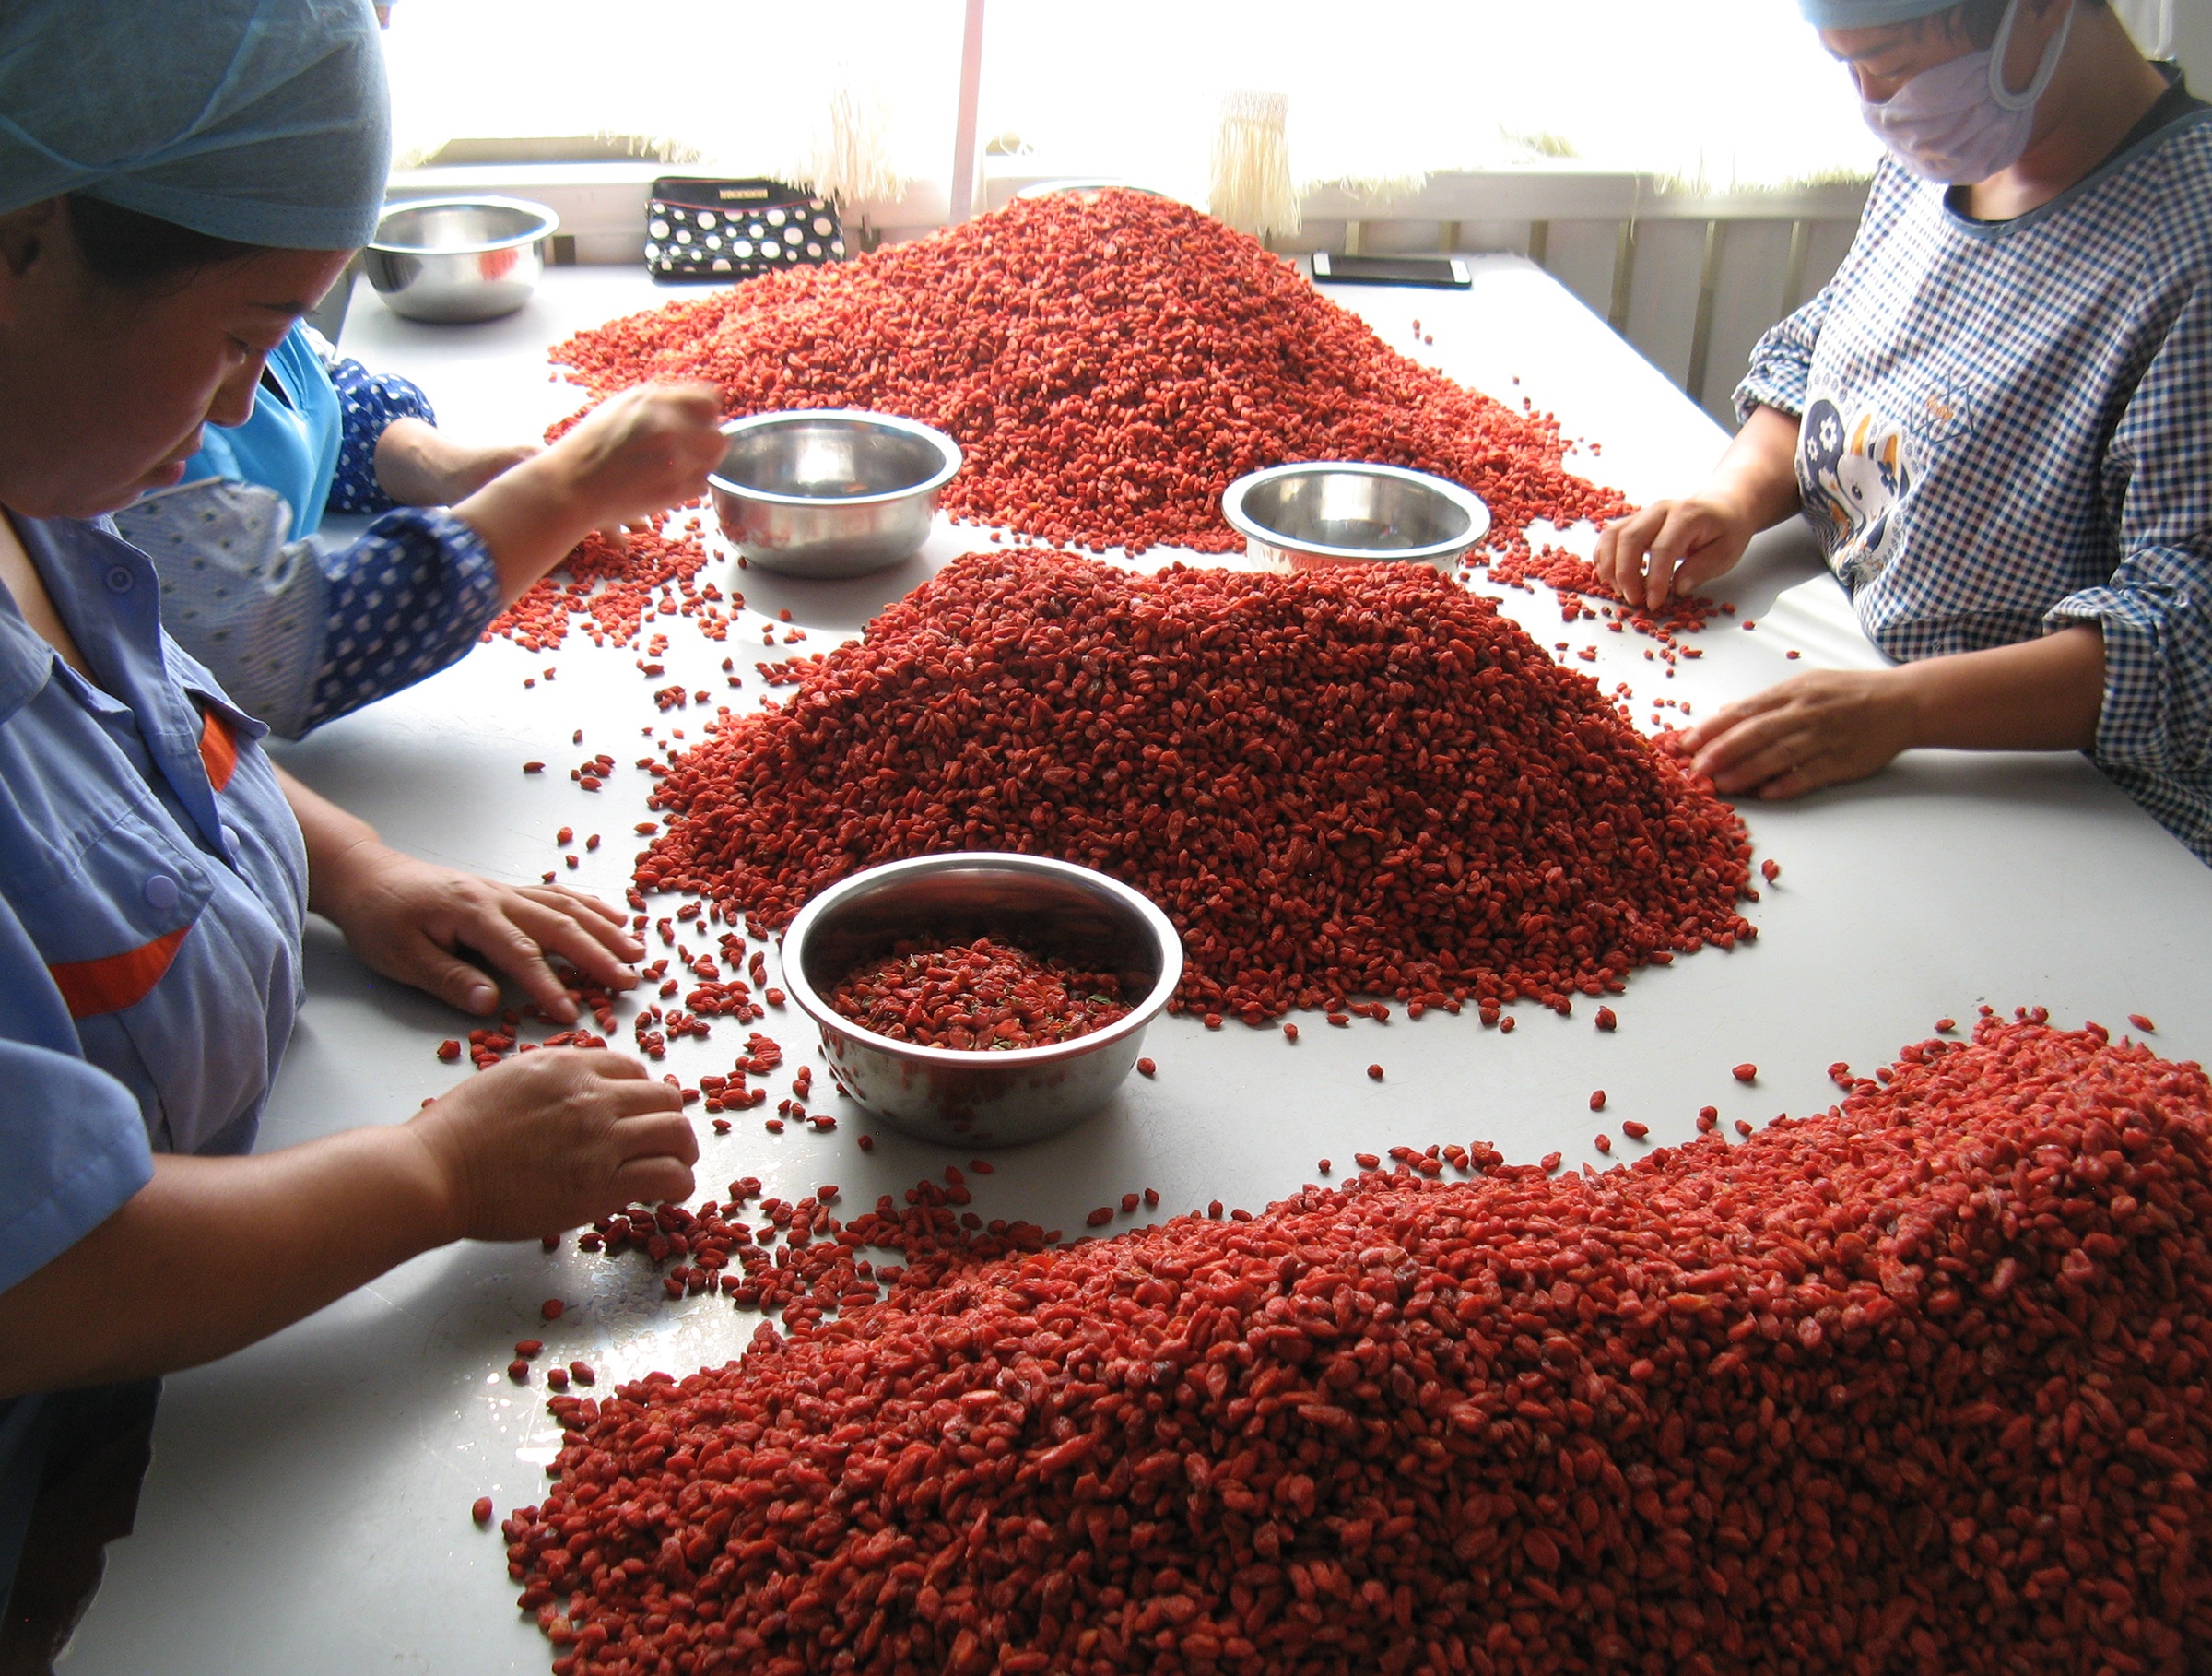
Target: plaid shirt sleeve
<point>2156,609</point>
<point>1781,362</point>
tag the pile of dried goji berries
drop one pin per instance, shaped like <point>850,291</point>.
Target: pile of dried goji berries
<point>984,996</point>
<point>1357,781</point>
<point>1918,1384</point>
<point>1109,363</point>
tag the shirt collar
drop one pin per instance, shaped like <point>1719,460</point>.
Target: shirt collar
<point>108,596</point>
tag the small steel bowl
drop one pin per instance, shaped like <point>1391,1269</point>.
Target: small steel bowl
<point>1052,189</point>
<point>827,492</point>
<point>1318,514</point>
<point>450,260</point>
<point>956,1098</point>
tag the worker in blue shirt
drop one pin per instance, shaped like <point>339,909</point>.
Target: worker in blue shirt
<point>178,183</point>
<point>302,629</point>
<point>1996,418</point>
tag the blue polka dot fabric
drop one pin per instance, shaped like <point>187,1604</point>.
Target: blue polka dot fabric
<point>369,403</point>
<point>408,598</point>
<point>299,632</point>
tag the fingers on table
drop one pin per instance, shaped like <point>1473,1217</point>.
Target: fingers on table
<point>571,902</point>
<point>622,1067</point>
<point>456,982</point>
<point>1686,533</point>
<point>582,939</point>
<point>658,1135</point>
<point>1621,546</point>
<point>515,934</point>
<point>651,1181</point>
<point>1750,744</point>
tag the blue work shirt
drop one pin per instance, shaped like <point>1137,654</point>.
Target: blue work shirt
<point>289,443</point>
<point>153,890</point>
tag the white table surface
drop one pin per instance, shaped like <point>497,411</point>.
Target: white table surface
<point>308,1504</point>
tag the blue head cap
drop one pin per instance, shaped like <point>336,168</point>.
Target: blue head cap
<point>262,121</point>
<point>1868,14</point>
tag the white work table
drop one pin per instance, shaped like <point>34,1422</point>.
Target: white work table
<point>308,1504</point>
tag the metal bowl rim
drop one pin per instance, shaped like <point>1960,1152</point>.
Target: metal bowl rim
<point>546,213</point>
<point>1245,524</point>
<point>1084,182</point>
<point>950,457</point>
<point>800,989</point>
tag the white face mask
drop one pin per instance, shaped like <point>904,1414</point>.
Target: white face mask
<point>1958,123</point>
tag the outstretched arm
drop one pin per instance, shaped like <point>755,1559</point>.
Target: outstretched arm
<point>1834,725</point>
<point>214,1253</point>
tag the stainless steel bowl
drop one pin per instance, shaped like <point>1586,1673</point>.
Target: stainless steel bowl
<point>955,1098</point>
<point>827,492</point>
<point>1318,514</point>
<point>458,259</point>
<point>1052,189</point>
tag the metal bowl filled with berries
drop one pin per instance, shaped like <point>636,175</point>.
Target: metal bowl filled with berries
<point>918,928</point>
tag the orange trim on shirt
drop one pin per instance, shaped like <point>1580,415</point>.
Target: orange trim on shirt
<point>116,981</point>
<point>218,750</point>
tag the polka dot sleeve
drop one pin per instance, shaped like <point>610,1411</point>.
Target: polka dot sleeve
<point>411,596</point>
<point>368,402</point>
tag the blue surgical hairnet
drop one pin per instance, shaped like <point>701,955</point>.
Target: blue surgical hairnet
<point>263,121</point>
<point>1868,14</point>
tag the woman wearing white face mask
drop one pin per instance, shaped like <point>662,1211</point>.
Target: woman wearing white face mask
<point>1997,418</point>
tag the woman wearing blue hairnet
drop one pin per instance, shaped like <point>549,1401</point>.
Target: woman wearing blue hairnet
<point>301,630</point>
<point>178,184</point>
<point>1997,418</point>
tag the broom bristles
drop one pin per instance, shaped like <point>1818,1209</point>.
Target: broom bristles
<point>1252,190</point>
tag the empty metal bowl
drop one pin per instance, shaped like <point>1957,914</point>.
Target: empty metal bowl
<point>827,492</point>
<point>956,1098</point>
<point>459,259</point>
<point>1317,513</point>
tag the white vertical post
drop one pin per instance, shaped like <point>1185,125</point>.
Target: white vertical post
<point>963,134</point>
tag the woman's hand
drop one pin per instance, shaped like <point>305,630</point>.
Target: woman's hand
<point>640,453</point>
<point>1673,547</point>
<point>554,1139</point>
<point>1831,726</point>
<point>215,1253</point>
<point>1818,729</point>
<point>629,460</point>
<point>410,919</point>
<point>418,465</point>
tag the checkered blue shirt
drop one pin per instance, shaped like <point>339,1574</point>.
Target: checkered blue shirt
<point>2007,427</point>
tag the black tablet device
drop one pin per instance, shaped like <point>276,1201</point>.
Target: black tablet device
<point>1445,273</point>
